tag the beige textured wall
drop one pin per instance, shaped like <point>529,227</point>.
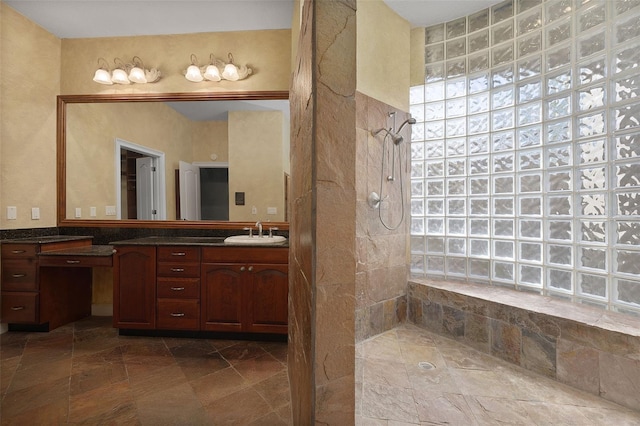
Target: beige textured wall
<point>210,137</point>
<point>28,120</point>
<point>255,164</point>
<point>383,54</point>
<point>267,52</point>
<point>91,133</point>
<point>29,99</point>
<point>417,56</point>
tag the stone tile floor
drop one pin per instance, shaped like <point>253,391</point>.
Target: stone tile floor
<point>464,387</point>
<point>84,373</point>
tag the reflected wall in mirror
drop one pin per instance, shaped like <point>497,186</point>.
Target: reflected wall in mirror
<point>122,156</point>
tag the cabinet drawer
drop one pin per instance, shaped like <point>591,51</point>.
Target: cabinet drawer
<point>76,261</point>
<point>187,288</point>
<point>19,274</point>
<point>178,314</point>
<point>18,250</point>
<point>19,307</point>
<point>179,270</point>
<point>245,254</point>
<point>178,254</point>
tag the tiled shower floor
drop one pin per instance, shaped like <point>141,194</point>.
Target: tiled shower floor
<point>84,373</point>
<point>465,387</point>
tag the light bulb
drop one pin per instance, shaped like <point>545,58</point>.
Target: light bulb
<point>212,73</point>
<point>230,72</point>
<point>193,74</point>
<point>120,76</point>
<point>102,76</point>
<point>137,75</point>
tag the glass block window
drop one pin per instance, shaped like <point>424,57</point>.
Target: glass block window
<point>526,154</point>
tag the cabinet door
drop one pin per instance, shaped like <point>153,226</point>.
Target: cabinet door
<point>134,287</point>
<point>268,299</point>
<point>221,297</point>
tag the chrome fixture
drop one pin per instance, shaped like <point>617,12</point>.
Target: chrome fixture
<point>259,226</point>
<point>375,199</point>
<point>122,73</point>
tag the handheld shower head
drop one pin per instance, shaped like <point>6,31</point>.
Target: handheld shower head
<point>409,120</point>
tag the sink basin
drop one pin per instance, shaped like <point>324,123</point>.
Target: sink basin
<point>246,240</point>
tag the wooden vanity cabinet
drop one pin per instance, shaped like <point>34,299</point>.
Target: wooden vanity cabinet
<point>46,297</point>
<point>244,289</point>
<point>134,287</point>
<point>178,288</point>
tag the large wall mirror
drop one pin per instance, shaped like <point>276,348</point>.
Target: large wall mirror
<point>181,160</point>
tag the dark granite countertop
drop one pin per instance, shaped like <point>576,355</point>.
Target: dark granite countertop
<point>188,241</point>
<point>96,250</point>
<point>47,239</point>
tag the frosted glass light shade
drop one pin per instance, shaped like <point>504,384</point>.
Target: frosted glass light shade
<point>212,73</point>
<point>136,75</point>
<point>102,76</point>
<point>120,76</point>
<point>230,72</point>
<point>193,74</point>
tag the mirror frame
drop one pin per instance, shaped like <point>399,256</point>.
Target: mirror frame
<point>61,153</point>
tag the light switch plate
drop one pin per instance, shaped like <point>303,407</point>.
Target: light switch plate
<point>272,210</point>
<point>35,213</point>
<point>12,212</point>
<point>78,212</point>
<point>110,210</point>
<point>92,212</point>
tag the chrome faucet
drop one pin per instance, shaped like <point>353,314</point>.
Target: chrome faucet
<point>259,226</point>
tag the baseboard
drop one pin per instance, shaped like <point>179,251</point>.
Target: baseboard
<point>102,310</point>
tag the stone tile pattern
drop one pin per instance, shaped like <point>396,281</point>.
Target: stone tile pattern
<point>323,237</point>
<point>381,253</point>
<point>587,348</point>
<point>464,387</point>
<point>85,373</point>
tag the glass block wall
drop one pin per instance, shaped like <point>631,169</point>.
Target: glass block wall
<point>526,154</point>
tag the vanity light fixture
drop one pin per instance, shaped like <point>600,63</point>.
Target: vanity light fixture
<point>211,72</point>
<point>103,74</point>
<point>125,73</point>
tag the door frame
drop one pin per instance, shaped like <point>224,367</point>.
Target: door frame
<point>160,189</point>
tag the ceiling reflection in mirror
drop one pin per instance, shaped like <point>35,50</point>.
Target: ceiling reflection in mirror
<point>213,160</point>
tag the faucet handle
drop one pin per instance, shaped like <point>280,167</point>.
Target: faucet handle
<point>271,229</point>
<point>250,229</point>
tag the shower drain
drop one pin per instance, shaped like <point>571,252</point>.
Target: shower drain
<point>425,365</point>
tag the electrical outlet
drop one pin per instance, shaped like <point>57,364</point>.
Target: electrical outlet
<point>12,212</point>
<point>35,213</point>
<point>78,212</point>
<point>254,210</point>
<point>92,212</point>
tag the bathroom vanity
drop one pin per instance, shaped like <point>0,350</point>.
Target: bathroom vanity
<point>46,281</point>
<point>200,284</point>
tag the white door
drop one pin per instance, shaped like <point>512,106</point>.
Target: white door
<point>145,189</point>
<point>189,191</point>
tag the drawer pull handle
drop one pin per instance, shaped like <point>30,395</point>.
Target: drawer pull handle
<point>178,253</point>
<point>18,275</point>
<point>250,268</point>
<point>17,308</point>
<point>177,269</point>
<point>242,269</point>
<point>73,262</point>
<point>177,288</point>
<point>18,251</point>
<point>177,314</point>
